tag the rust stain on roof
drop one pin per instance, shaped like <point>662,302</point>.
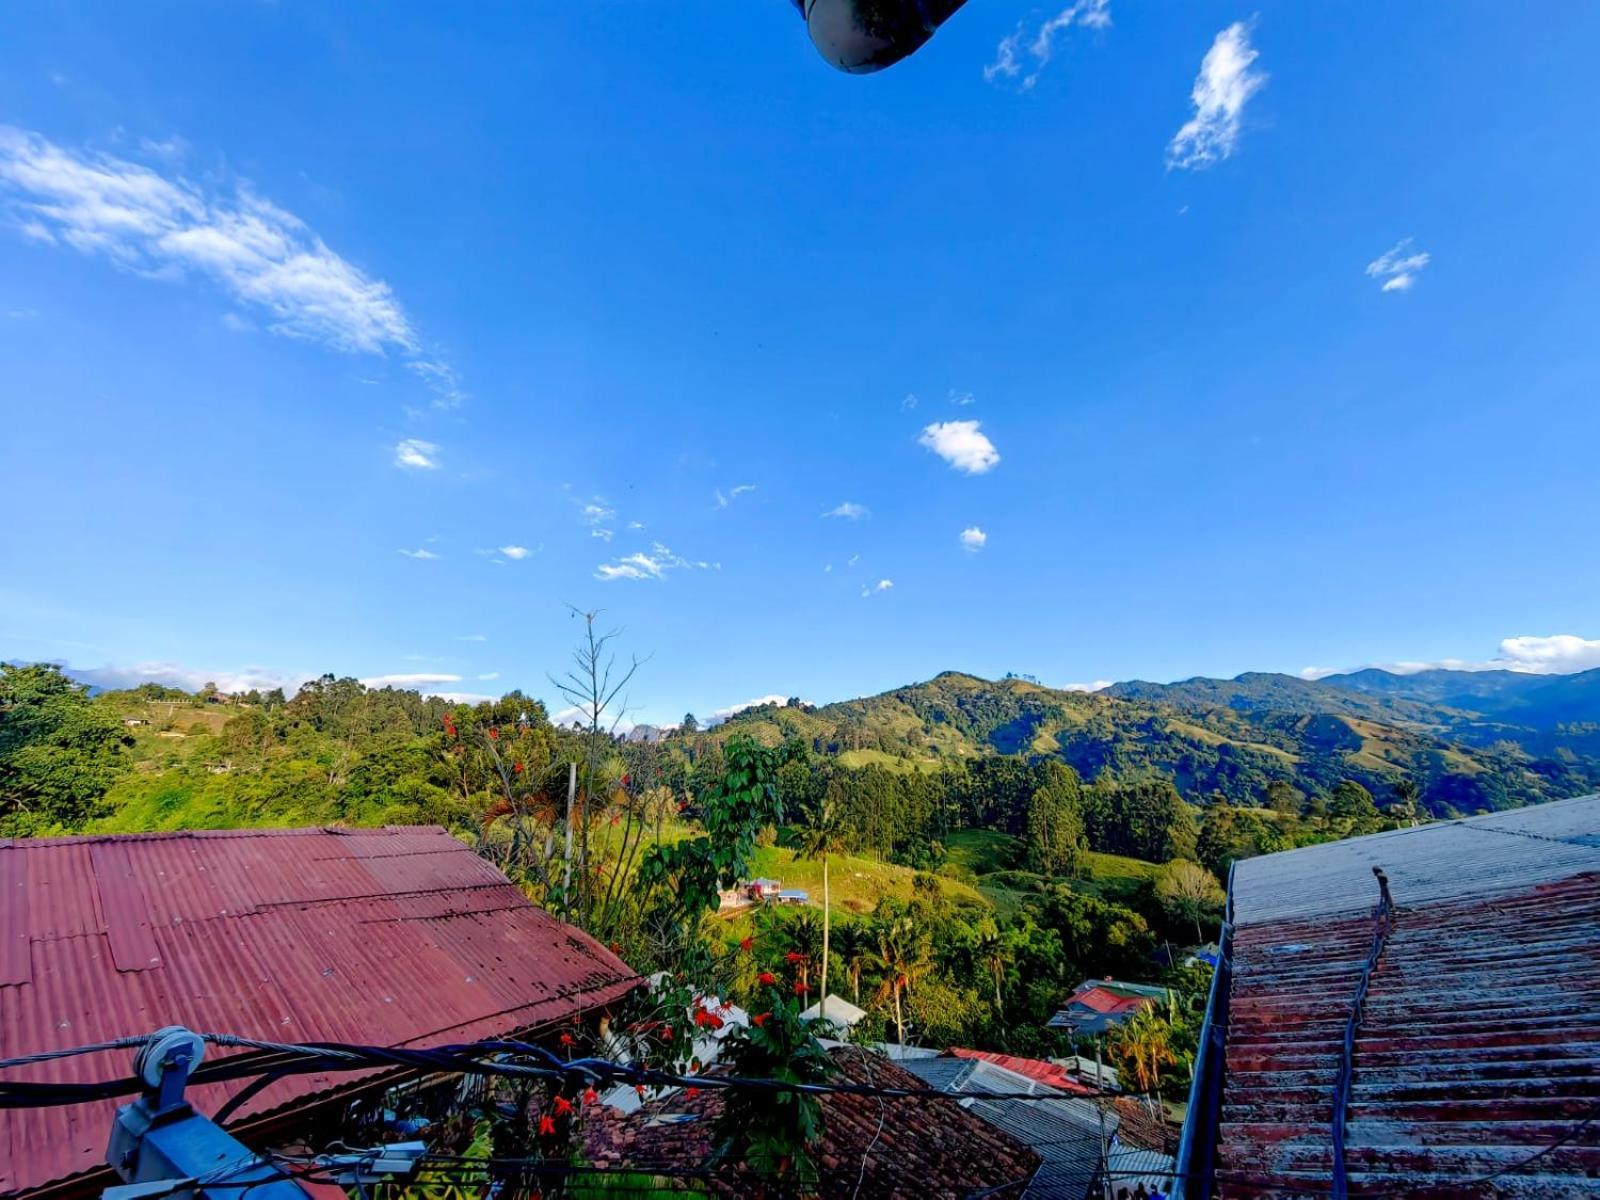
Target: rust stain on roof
<point>1479,1045</point>
<point>399,936</point>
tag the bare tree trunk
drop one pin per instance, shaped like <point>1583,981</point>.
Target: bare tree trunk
<point>566,870</point>
<point>827,908</point>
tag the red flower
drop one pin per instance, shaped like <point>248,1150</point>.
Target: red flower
<point>707,1020</point>
<point>694,1091</point>
<point>517,767</point>
<point>682,804</point>
<point>666,1033</point>
<point>563,1106</point>
<point>626,780</point>
<point>616,947</point>
<point>566,1039</point>
<point>761,1019</point>
<point>546,1126</point>
<point>494,734</point>
<point>767,978</point>
<point>800,989</point>
<point>590,1095</point>
<point>746,944</point>
<point>794,956</point>
<point>639,1087</point>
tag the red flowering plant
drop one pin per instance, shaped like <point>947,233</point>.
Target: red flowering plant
<point>774,1131</point>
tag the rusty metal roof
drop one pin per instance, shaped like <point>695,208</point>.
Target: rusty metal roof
<point>399,936</point>
<point>1478,1046</point>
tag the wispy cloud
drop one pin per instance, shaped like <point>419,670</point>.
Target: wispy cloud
<point>962,399</point>
<point>973,539</point>
<point>722,714</point>
<point>1098,685</point>
<point>654,565</point>
<point>962,444</point>
<point>732,494</point>
<point>472,637</point>
<point>414,454</point>
<point>1397,269</point>
<point>20,314</point>
<point>1554,654</point>
<point>883,585</point>
<point>1022,57</point>
<point>909,402</point>
<point>849,511</point>
<point>166,226</point>
<point>421,552</point>
<point>515,552</point>
<point>1220,92</point>
<point>488,675</point>
<point>192,679</point>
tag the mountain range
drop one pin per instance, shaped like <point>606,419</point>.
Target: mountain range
<point>1469,740</point>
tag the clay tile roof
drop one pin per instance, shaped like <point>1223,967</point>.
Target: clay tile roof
<point>399,936</point>
<point>1478,1047</point>
<point>907,1148</point>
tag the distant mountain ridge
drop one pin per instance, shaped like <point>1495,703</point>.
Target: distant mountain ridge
<point>1469,743</point>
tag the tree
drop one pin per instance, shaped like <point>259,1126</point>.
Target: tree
<point>59,750</point>
<point>823,834</point>
<point>902,958</point>
<point>993,956</point>
<point>1352,806</point>
<point>1141,1046</point>
<point>1055,823</point>
<point>1187,890</point>
<point>1406,797</point>
<point>594,685</point>
<point>1284,797</point>
<point>689,724</point>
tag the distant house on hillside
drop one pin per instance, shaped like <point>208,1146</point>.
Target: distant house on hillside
<point>1099,1005</point>
<point>397,937</point>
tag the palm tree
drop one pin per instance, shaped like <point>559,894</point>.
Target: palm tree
<point>992,954</point>
<point>1144,1043</point>
<point>854,950</point>
<point>903,960</point>
<point>823,834</point>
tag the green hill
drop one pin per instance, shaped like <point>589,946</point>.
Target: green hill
<point>1228,738</point>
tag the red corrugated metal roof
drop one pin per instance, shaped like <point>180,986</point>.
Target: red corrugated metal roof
<point>398,936</point>
<point>1478,1046</point>
<point>1036,1069</point>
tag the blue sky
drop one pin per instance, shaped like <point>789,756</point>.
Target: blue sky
<point>288,289</point>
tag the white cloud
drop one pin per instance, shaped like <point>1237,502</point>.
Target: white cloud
<point>420,552</point>
<point>416,455</point>
<point>472,637</point>
<point>653,565</point>
<point>595,512</point>
<point>883,585</point>
<point>1398,268</point>
<point>420,679</point>
<point>1222,88</point>
<point>192,679</point>
<point>722,714</point>
<point>1009,62</point>
<point>635,524</point>
<point>169,227</point>
<point>488,675</point>
<point>962,399</point>
<point>961,444</point>
<point>733,494</point>
<point>909,402</point>
<point>1555,654</point>
<point>849,511</point>
<point>516,552</point>
<point>852,560</point>
<point>1097,686</point>
<point>171,150</point>
<point>973,539</point>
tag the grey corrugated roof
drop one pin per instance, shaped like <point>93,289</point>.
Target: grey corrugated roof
<point>1426,864</point>
<point>1066,1132</point>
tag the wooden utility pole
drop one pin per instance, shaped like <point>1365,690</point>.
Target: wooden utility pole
<point>566,861</point>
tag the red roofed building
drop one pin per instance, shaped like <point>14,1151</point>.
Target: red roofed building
<point>1048,1073</point>
<point>1097,1005</point>
<point>399,936</point>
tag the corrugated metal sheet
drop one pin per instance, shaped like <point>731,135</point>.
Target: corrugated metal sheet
<point>382,936</point>
<point>1066,1133</point>
<point>1479,1044</point>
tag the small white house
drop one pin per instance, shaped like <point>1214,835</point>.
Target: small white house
<point>839,1011</point>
